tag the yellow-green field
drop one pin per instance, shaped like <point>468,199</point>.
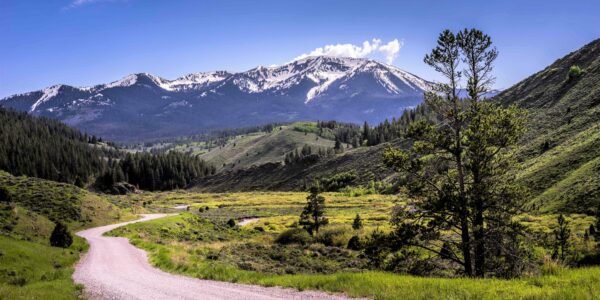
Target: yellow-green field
<point>198,244</point>
<point>276,210</point>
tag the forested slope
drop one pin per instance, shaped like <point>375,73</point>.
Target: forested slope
<point>45,148</point>
<point>49,149</point>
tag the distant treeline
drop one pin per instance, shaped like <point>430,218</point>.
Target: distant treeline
<point>146,171</point>
<point>342,132</point>
<point>390,130</point>
<point>370,136</point>
<point>308,154</point>
<point>214,138</point>
<point>49,149</point>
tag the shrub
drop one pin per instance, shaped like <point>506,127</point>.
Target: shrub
<point>61,237</point>
<point>231,223</point>
<point>5,196</point>
<point>551,267</point>
<point>592,259</point>
<point>294,236</point>
<point>338,181</point>
<point>574,72</point>
<point>334,236</point>
<point>354,243</point>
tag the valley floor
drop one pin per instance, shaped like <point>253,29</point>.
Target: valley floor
<point>199,244</point>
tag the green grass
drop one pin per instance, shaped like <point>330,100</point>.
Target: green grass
<point>277,210</point>
<point>30,270</point>
<point>565,284</point>
<point>564,115</point>
<point>309,127</point>
<point>565,175</point>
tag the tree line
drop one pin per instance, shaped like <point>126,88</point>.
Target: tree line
<point>172,170</point>
<point>45,148</point>
<point>48,149</point>
<point>367,135</point>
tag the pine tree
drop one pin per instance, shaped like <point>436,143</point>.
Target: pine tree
<point>562,234</point>
<point>595,230</point>
<point>338,146</point>
<point>366,131</point>
<point>461,164</point>
<point>357,223</point>
<point>61,237</point>
<point>312,216</point>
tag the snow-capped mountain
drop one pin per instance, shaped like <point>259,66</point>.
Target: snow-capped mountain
<point>142,105</point>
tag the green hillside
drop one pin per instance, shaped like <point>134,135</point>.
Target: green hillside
<point>561,152</point>
<point>258,148</point>
<point>365,161</point>
<point>30,267</point>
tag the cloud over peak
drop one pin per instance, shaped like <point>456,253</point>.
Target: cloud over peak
<point>373,48</point>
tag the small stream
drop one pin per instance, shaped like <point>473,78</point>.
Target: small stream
<point>246,221</point>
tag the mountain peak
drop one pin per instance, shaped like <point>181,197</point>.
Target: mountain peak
<point>317,87</point>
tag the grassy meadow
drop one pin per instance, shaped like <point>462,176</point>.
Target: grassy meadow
<point>201,244</point>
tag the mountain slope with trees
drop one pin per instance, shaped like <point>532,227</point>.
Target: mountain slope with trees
<point>45,148</point>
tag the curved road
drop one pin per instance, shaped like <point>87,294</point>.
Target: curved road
<point>115,269</point>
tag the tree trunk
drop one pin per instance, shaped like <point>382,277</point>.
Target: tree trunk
<point>479,233</point>
<point>464,212</point>
<point>466,245</point>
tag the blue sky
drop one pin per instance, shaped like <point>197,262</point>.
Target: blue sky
<point>86,42</point>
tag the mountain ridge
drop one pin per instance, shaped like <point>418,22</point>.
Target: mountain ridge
<point>142,105</point>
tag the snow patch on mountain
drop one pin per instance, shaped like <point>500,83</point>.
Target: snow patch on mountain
<point>48,94</point>
<point>195,80</point>
<point>324,80</point>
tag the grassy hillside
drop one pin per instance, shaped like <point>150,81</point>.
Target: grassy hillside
<point>257,148</point>
<point>561,153</point>
<point>29,267</point>
<point>59,201</point>
<point>366,161</point>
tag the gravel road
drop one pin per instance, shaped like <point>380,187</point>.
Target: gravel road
<point>115,269</point>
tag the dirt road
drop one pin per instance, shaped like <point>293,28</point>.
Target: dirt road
<point>115,269</point>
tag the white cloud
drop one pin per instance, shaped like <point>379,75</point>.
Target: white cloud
<point>78,3</point>
<point>390,50</point>
<point>371,48</point>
